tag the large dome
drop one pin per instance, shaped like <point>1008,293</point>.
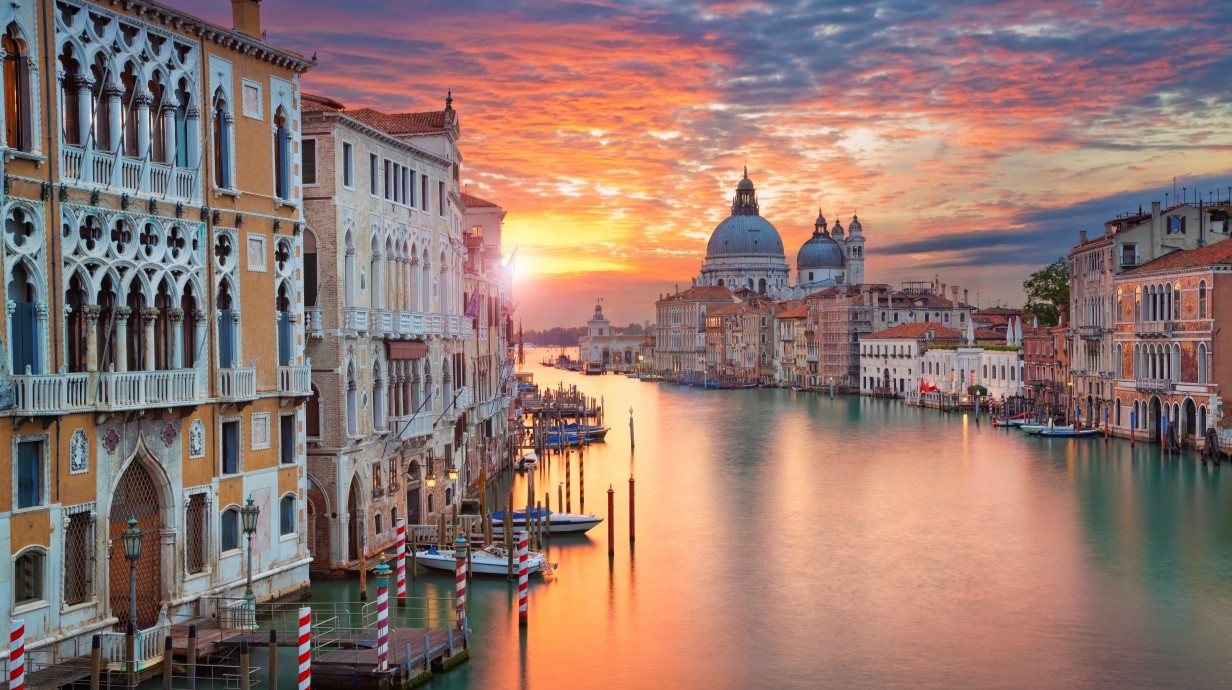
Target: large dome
<point>820,251</point>
<point>745,233</point>
<point>744,236</point>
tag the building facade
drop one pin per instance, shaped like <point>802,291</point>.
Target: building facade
<point>164,202</point>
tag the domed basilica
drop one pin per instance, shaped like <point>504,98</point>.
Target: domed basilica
<point>745,251</point>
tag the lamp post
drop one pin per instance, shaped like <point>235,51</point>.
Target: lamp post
<point>132,551</point>
<point>249,514</point>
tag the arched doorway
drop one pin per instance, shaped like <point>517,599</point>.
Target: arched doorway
<point>136,496</point>
<point>354,519</point>
<point>414,512</point>
<point>1190,421</point>
<point>319,537</point>
<point>1153,417</point>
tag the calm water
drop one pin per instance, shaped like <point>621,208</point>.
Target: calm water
<point>789,540</point>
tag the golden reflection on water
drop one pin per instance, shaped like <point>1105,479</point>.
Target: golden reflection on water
<point>790,540</point>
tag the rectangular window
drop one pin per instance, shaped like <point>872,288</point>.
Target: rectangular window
<point>310,161</point>
<point>406,185</point>
<point>440,197</point>
<point>411,187</point>
<point>286,516</point>
<point>28,577</point>
<point>1129,254</point>
<point>347,175</point>
<point>30,475</point>
<point>230,529</point>
<point>286,439</point>
<point>230,447</point>
<point>423,192</point>
<point>78,557</point>
<point>388,169</point>
<point>196,520</point>
<point>373,173</point>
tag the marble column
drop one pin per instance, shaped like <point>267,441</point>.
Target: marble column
<point>121,338</point>
<point>91,335</point>
<point>149,317</point>
<point>175,317</point>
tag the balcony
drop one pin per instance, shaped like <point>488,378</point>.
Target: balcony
<point>811,357</point>
<point>1090,332</point>
<point>1153,385</point>
<point>787,337</point>
<point>488,408</point>
<point>412,426</point>
<point>463,400</point>
<point>313,324</point>
<point>295,380</point>
<point>384,323</point>
<point>355,321</point>
<point>411,324</point>
<point>1153,329</point>
<point>86,165</point>
<point>238,385</point>
<point>135,390</point>
<point>51,394</point>
<point>434,324</point>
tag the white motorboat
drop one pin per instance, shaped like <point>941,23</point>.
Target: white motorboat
<point>526,461</point>
<point>556,523</point>
<point>1037,429</point>
<point>490,560</point>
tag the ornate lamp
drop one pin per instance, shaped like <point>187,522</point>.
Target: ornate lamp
<point>132,551</point>
<point>249,514</point>
<point>453,473</point>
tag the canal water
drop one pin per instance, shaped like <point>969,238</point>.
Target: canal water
<point>790,540</point>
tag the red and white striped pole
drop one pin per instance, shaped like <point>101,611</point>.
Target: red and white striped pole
<point>523,577</point>
<point>305,648</point>
<point>459,553</point>
<point>401,563</point>
<point>382,617</point>
<point>17,656</point>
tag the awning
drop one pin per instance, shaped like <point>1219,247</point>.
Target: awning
<point>407,349</point>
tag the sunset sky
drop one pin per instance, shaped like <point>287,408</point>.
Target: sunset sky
<point>973,138</point>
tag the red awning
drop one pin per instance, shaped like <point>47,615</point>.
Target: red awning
<point>407,349</point>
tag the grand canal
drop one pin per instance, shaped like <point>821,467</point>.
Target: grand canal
<point>790,540</point>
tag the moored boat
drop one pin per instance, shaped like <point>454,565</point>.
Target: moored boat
<point>1037,429</point>
<point>490,560</point>
<point>588,432</point>
<point>1069,432</point>
<point>526,462</point>
<point>560,523</point>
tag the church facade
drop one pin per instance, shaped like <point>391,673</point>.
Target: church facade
<point>746,251</point>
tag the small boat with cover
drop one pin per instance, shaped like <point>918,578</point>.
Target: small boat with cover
<point>490,560</point>
<point>561,523</point>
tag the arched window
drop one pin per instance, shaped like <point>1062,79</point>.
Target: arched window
<point>222,141</point>
<point>25,342</point>
<point>282,155</point>
<point>348,270</point>
<point>18,120</point>
<point>310,269</point>
<point>1202,306</point>
<point>448,495</point>
<point>128,113</point>
<point>29,574</point>
<point>1202,363</point>
<point>378,523</point>
<point>379,399</point>
<point>1202,420</point>
<point>376,299</point>
<point>312,414</point>
<point>286,515</point>
<point>1175,310</point>
<point>1116,411</point>
<point>230,531</point>
<point>72,98</point>
<point>431,508</point>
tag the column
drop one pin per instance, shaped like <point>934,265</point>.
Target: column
<point>201,359</point>
<point>121,338</point>
<point>176,318</point>
<point>149,316</point>
<point>113,95</point>
<point>40,310</point>
<point>142,100</point>
<point>169,135</point>
<point>91,313</point>
<point>84,116</point>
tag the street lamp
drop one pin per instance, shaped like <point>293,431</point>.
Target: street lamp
<point>249,514</point>
<point>453,473</point>
<point>132,551</point>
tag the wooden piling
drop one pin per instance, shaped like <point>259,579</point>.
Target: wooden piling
<point>130,653</point>
<point>581,483</point>
<point>273,659</point>
<point>631,444</point>
<point>167,647</point>
<point>631,520</point>
<point>440,530</point>
<point>568,485</point>
<point>611,522</point>
<point>96,661</point>
<point>245,666</point>
<point>560,494</point>
<point>191,665</point>
<point>363,571</point>
<point>547,509</point>
<point>506,528</point>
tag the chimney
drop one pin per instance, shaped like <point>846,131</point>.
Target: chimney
<point>965,295</point>
<point>1156,232</point>
<point>1082,237</point>
<point>1063,309</point>
<point>246,16</point>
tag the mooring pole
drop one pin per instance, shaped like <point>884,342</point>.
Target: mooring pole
<point>192,658</point>
<point>631,444</point>
<point>273,658</point>
<point>611,522</point>
<point>96,660</point>
<point>631,520</point>
<point>167,663</point>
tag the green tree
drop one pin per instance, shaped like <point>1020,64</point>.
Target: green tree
<point>1047,289</point>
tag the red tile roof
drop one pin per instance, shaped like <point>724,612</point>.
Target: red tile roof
<point>798,312</point>
<point>472,201</point>
<point>917,331</point>
<point>312,103</point>
<point>702,292</point>
<point>726,310</point>
<point>400,123</point>
<point>1218,253</point>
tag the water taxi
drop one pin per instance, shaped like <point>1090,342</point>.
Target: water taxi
<point>490,560</point>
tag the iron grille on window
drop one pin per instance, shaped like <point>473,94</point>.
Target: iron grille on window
<point>79,558</point>
<point>197,521</point>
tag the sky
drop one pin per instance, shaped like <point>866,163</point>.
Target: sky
<point>974,139</point>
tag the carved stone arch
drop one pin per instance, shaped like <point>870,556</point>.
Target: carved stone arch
<point>141,488</point>
<point>33,275</point>
<point>98,275</point>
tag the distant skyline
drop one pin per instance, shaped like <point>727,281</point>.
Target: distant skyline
<point>974,139</point>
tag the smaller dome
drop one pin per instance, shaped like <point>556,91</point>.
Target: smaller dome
<point>821,219</point>
<point>744,184</point>
<point>855,226</point>
<point>820,252</point>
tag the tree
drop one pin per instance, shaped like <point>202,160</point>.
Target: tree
<point>1047,289</point>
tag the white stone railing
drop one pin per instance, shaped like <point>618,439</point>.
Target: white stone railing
<point>313,323</point>
<point>1153,385</point>
<point>138,389</point>
<point>149,646</point>
<point>412,426</point>
<point>130,173</point>
<point>160,178</point>
<point>186,183</point>
<point>238,384</point>
<point>411,324</point>
<point>383,322</point>
<point>71,158</point>
<point>488,408</point>
<point>355,320</point>
<point>295,379</point>
<point>465,398</point>
<point>433,324</point>
<point>35,394</point>
<point>85,164</point>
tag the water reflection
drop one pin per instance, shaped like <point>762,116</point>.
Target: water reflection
<point>790,540</point>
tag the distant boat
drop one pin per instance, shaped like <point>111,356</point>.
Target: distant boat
<point>592,368</point>
<point>588,432</point>
<point>526,462</point>
<point>1069,431</point>
<point>1015,420</point>
<point>490,560</point>
<point>561,523</point>
<point>1037,429</point>
<point>631,375</point>
<point>566,439</point>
